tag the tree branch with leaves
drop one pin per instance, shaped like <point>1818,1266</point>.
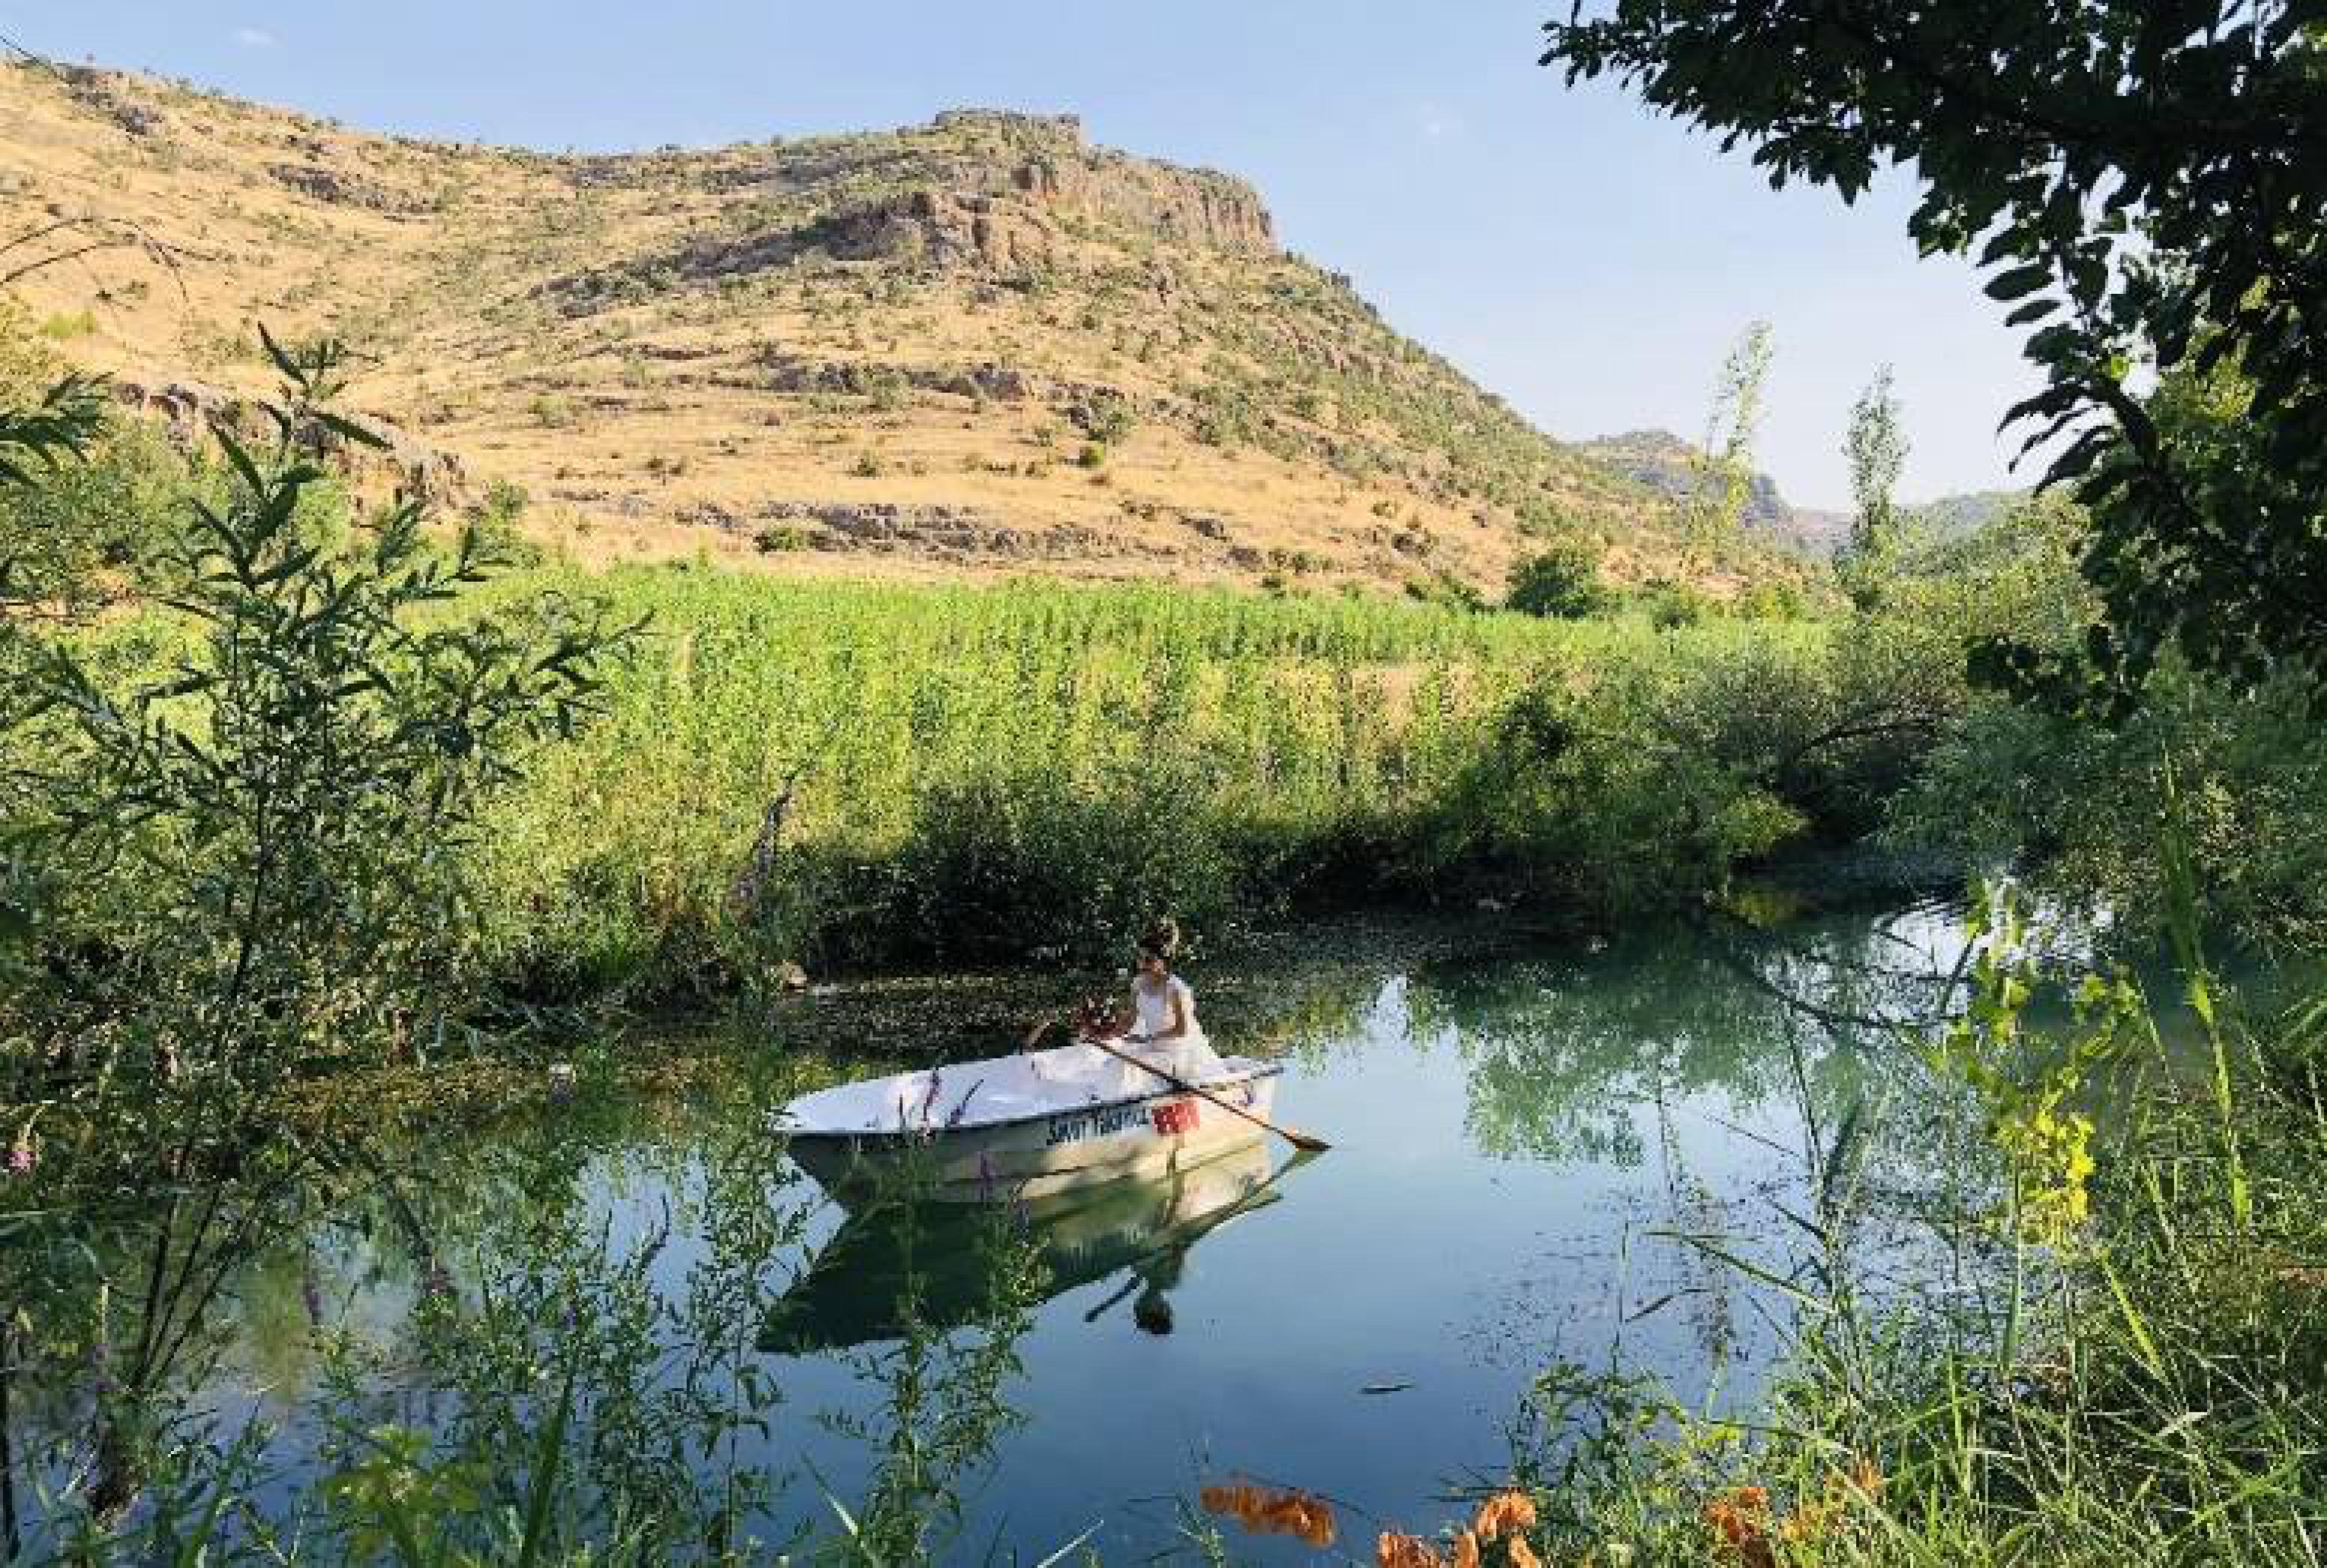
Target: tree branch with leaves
<point>2147,185</point>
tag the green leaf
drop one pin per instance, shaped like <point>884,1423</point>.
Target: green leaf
<point>2013,283</point>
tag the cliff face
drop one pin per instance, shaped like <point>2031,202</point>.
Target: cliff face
<point>980,345</point>
<point>999,191</point>
<point>1051,168</point>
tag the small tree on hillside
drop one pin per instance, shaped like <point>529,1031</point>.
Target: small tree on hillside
<point>1562,582</point>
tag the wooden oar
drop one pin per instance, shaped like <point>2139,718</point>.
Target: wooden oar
<point>1292,1135</point>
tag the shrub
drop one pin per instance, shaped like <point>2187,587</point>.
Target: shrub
<point>1668,604</point>
<point>1562,582</point>
<point>1104,416</point>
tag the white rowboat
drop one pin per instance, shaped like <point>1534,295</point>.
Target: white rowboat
<point>1026,1125</point>
<point>937,1258</point>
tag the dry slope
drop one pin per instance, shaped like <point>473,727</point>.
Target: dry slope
<point>977,346</point>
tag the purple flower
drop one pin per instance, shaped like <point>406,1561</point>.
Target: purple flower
<point>20,1160</point>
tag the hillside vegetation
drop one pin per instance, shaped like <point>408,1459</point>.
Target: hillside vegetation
<point>980,346</point>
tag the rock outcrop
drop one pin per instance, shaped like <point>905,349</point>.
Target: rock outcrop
<point>188,410</point>
<point>982,190</point>
<point>1664,463</point>
<point>947,532</point>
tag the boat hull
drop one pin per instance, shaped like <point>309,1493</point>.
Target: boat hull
<point>933,1263</point>
<point>1055,1151</point>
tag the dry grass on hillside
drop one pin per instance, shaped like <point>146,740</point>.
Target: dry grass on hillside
<point>979,347</point>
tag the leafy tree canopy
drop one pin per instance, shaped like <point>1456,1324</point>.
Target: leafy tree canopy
<point>1563,581</point>
<point>2147,184</point>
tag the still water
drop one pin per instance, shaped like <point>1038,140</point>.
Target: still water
<point>1522,1137</point>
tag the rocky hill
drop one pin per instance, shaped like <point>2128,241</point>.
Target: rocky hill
<point>978,346</point>
<point>1671,467</point>
<point>1664,463</point>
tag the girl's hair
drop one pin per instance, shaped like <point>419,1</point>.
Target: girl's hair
<point>1162,940</point>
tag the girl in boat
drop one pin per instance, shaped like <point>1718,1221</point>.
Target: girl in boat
<point>1162,1008</point>
<point>1159,1026</point>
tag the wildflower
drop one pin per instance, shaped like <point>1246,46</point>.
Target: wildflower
<point>21,1159</point>
<point>1263,1512</point>
<point>1519,1555</point>
<point>1467,1550</point>
<point>1503,1514</point>
<point>1397,1551</point>
<point>1741,1518</point>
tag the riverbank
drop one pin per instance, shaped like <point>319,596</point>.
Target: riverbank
<point>842,776</point>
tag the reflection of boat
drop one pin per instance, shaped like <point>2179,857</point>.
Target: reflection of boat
<point>855,1289</point>
<point>1028,1125</point>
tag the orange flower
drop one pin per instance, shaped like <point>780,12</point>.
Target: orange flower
<point>1520,1555</point>
<point>1397,1551</point>
<point>1263,1512</point>
<point>1466,1551</point>
<point>1504,1514</point>
<point>1741,1517</point>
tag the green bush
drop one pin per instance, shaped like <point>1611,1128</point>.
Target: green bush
<point>1562,582</point>
<point>1106,416</point>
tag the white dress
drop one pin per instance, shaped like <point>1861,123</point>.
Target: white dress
<point>1187,1057</point>
<point>1155,1008</point>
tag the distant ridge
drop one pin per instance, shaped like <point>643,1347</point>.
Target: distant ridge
<point>1665,464</point>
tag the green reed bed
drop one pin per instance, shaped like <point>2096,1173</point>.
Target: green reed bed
<point>831,771</point>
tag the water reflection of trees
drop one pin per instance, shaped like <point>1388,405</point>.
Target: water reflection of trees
<point>1561,1051</point>
<point>428,1303</point>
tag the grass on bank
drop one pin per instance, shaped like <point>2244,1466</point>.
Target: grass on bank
<point>852,773</point>
<point>2126,1362</point>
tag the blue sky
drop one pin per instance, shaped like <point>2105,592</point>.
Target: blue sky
<point>1590,263</point>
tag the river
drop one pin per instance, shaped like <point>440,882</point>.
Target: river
<point>1538,1149</point>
